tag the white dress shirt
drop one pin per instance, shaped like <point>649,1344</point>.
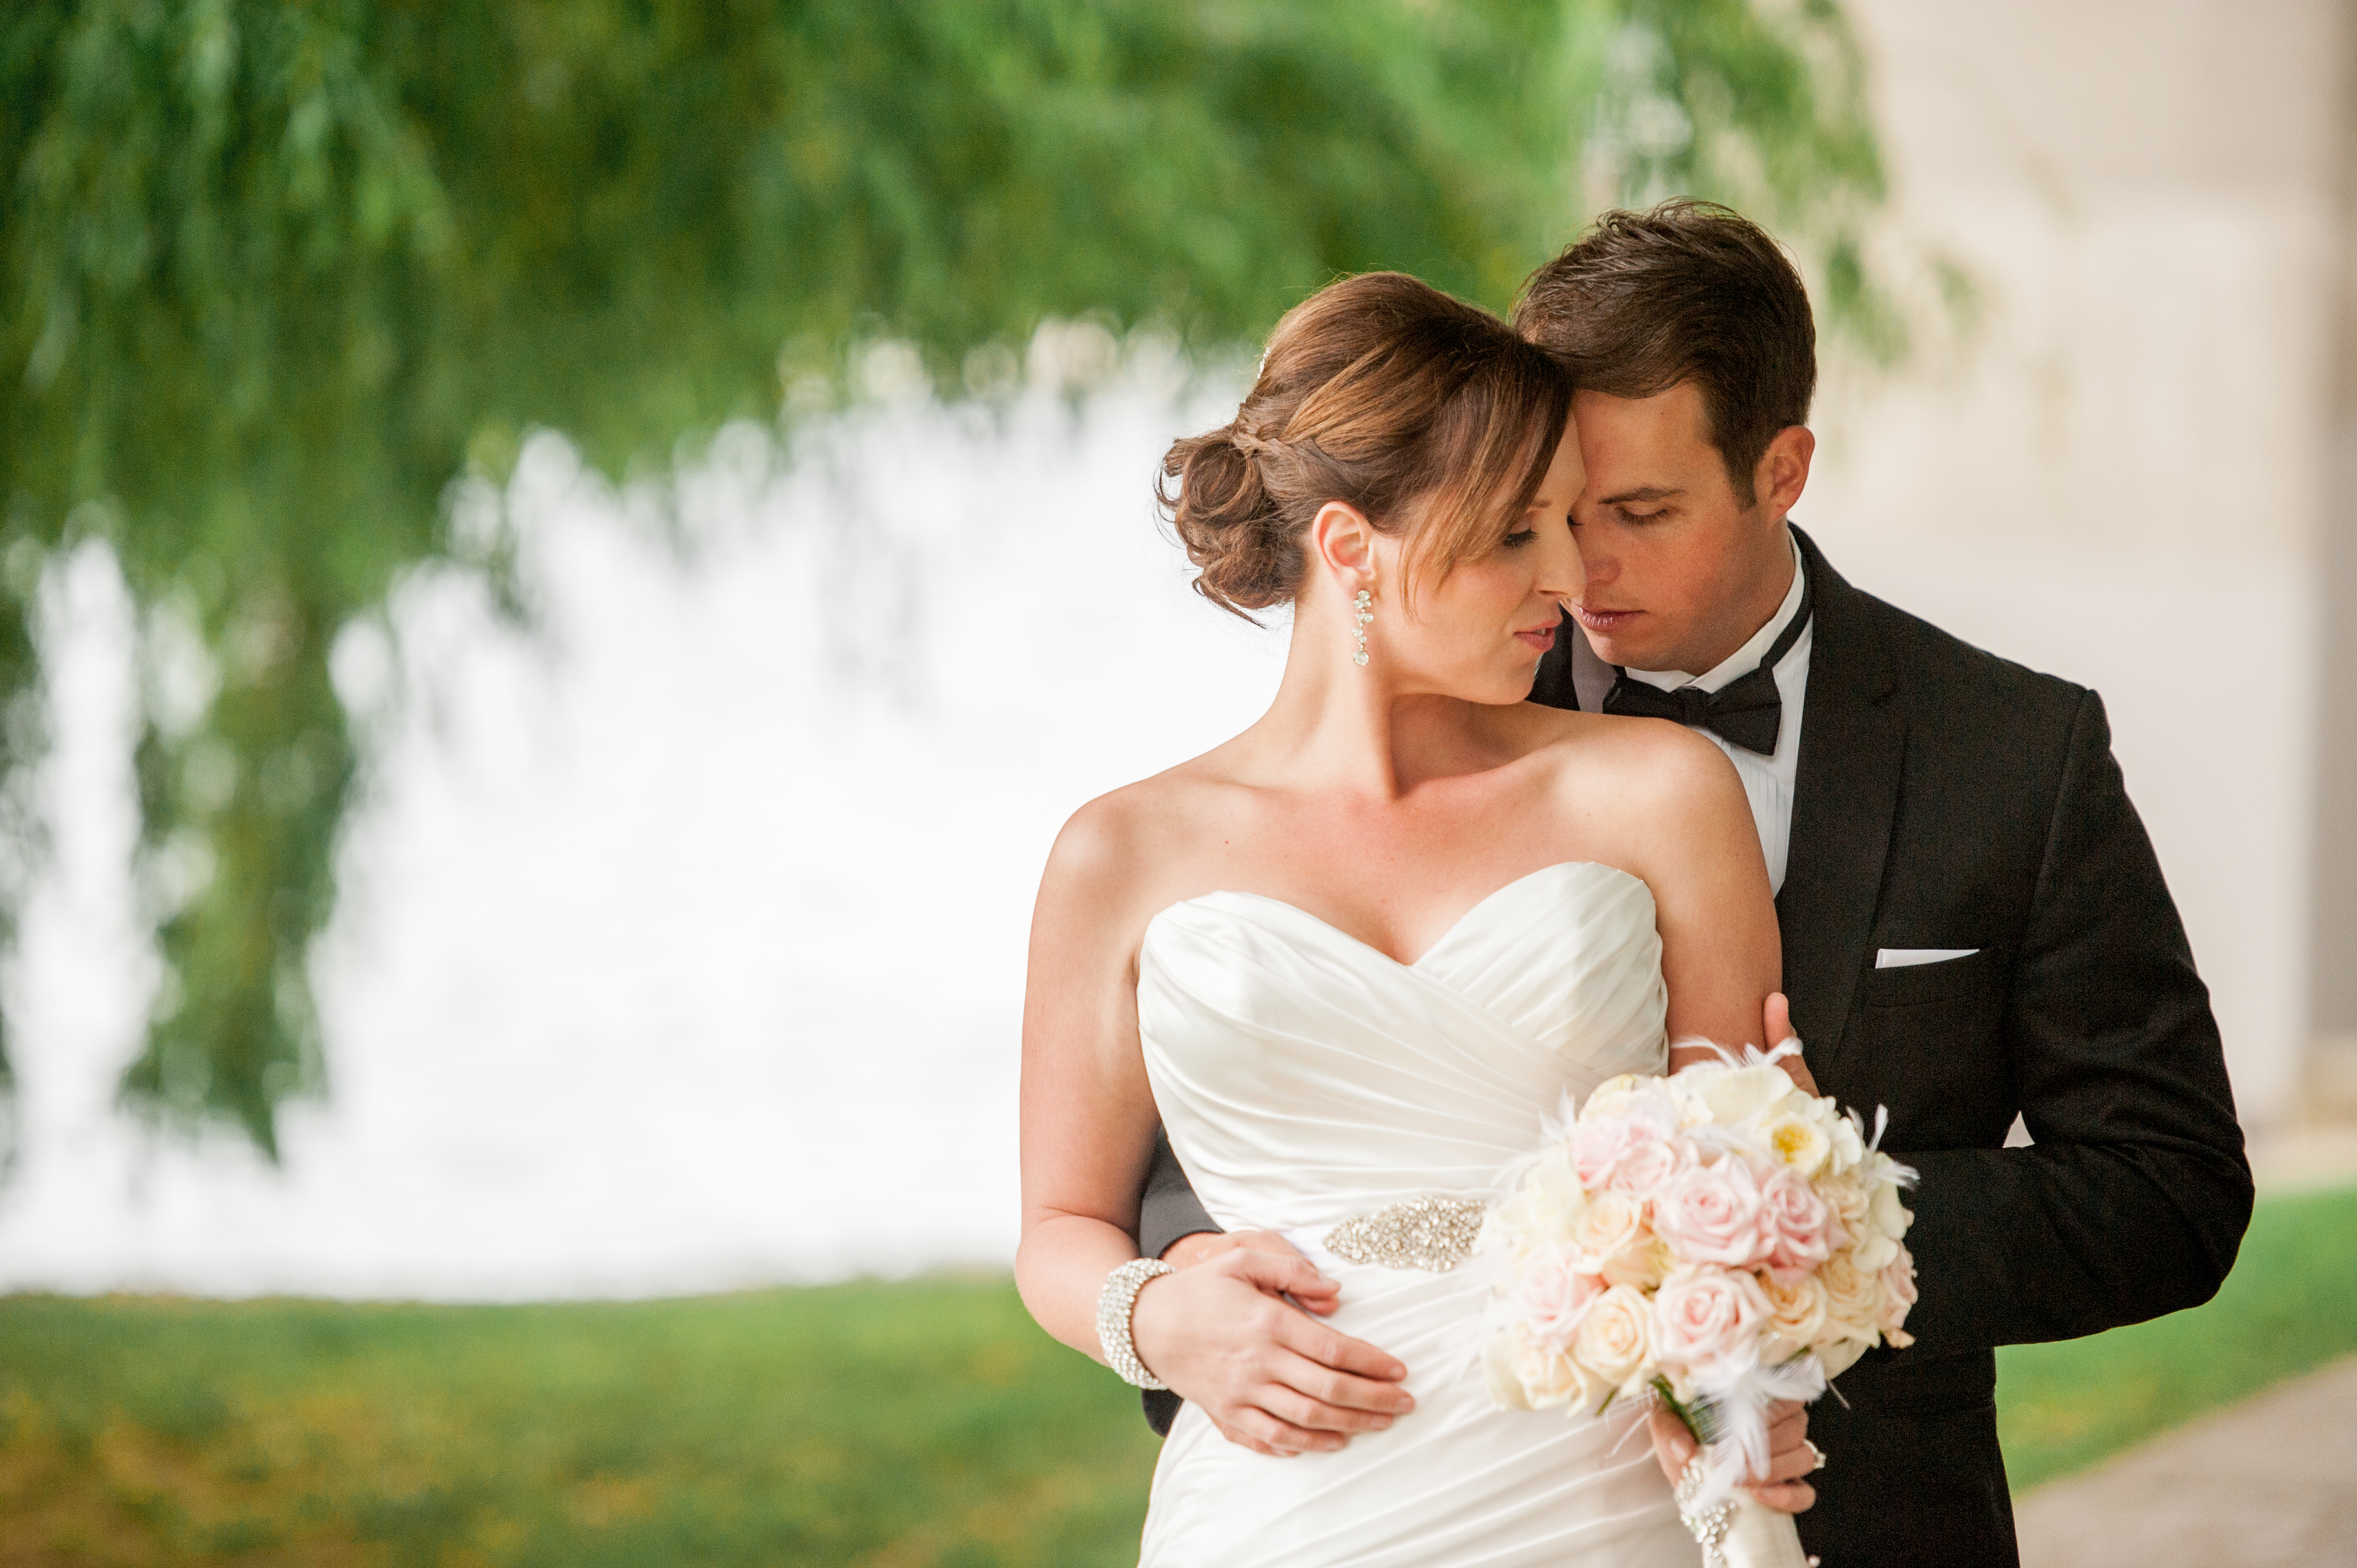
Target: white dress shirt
<point>1767,781</point>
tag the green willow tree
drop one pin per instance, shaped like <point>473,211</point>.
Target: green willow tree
<point>276,274</point>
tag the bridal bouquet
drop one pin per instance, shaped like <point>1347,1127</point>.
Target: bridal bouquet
<point>1716,1238</point>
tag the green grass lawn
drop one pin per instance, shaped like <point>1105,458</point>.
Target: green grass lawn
<point>920,1424</point>
<point>925,1422</point>
<point>2290,1305</point>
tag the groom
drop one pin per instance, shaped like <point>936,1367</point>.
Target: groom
<point>1974,923</point>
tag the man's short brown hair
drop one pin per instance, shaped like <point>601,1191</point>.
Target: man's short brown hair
<point>1688,292</point>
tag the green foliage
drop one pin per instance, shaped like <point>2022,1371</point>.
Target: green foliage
<point>275,275</point>
<point>1761,106</point>
<point>923,1423</point>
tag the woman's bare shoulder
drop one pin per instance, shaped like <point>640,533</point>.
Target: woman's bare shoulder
<point>1118,849</point>
<point>1651,757</point>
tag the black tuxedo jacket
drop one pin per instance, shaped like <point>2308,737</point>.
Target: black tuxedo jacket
<point>1949,799</point>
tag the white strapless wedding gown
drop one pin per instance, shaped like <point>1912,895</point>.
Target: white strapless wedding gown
<point>1305,1078</point>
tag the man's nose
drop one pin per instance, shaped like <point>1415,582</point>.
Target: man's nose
<point>1599,568</point>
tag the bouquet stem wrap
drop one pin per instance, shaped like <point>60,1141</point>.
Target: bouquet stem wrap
<point>1733,1529</point>
<point>1760,1537</point>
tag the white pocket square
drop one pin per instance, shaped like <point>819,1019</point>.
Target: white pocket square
<point>1907,958</point>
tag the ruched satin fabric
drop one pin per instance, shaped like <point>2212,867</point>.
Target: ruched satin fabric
<point>1305,1078</point>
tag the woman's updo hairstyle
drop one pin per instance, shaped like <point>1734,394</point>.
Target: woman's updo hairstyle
<point>1381,392</point>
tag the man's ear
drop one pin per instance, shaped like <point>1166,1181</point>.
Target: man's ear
<point>1343,543</point>
<point>1783,470</point>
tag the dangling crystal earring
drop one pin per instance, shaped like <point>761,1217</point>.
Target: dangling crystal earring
<point>1366,615</point>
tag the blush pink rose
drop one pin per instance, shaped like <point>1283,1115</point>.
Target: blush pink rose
<point>1648,1167</point>
<point>1708,1319</point>
<point>1552,1294</point>
<point>1713,1214</point>
<point>1599,1143</point>
<point>1804,1225</point>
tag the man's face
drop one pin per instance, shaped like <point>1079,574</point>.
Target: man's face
<point>1680,570</point>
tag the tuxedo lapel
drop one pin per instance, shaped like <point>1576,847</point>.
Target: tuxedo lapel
<point>1852,742</point>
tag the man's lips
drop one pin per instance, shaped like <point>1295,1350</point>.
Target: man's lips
<point>1604,621</point>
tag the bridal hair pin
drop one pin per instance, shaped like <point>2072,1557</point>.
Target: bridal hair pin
<point>1360,606</point>
<point>1115,1305</point>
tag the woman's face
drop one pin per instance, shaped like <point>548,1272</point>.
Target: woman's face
<point>1479,634</point>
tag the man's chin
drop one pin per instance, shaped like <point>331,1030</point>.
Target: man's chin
<point>1628,653</point>
<point>1621,640</point>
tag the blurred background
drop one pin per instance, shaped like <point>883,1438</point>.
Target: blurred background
<point>565,561</point>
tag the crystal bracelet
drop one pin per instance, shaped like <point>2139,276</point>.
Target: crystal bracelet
<point>1113,1307</point>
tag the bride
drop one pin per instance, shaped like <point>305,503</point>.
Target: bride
<point>1350,958</point>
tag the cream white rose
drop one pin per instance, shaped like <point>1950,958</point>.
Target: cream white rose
<point>1846,1196</point>
<point>1612,1222</point>
<point>1613,1240</point>
<point>1853,1299</point>
<point>1646,1267</point>
<point>1796,1312</point>
<point>1551,1379</point>
<point>1615,1339</point>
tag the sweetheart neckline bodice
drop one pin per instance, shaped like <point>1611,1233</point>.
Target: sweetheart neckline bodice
<point>1298,1070</point>
<point>1495,896</point>
<point>1305,1077</point>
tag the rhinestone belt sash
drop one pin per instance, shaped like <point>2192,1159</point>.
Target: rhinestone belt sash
<point>1430,1233</point>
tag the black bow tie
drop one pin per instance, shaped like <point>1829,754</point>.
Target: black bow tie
<point>1747,711</point>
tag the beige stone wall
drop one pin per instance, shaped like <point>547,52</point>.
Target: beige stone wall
<point>2125,475</point>
<point>2332,961</point>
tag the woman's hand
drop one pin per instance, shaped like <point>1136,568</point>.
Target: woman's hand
<point>1223,1336</point>
<point>1791,1455</point>
<point>1200,1245</point>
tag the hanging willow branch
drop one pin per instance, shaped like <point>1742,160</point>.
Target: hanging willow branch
<point>275,275</point>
